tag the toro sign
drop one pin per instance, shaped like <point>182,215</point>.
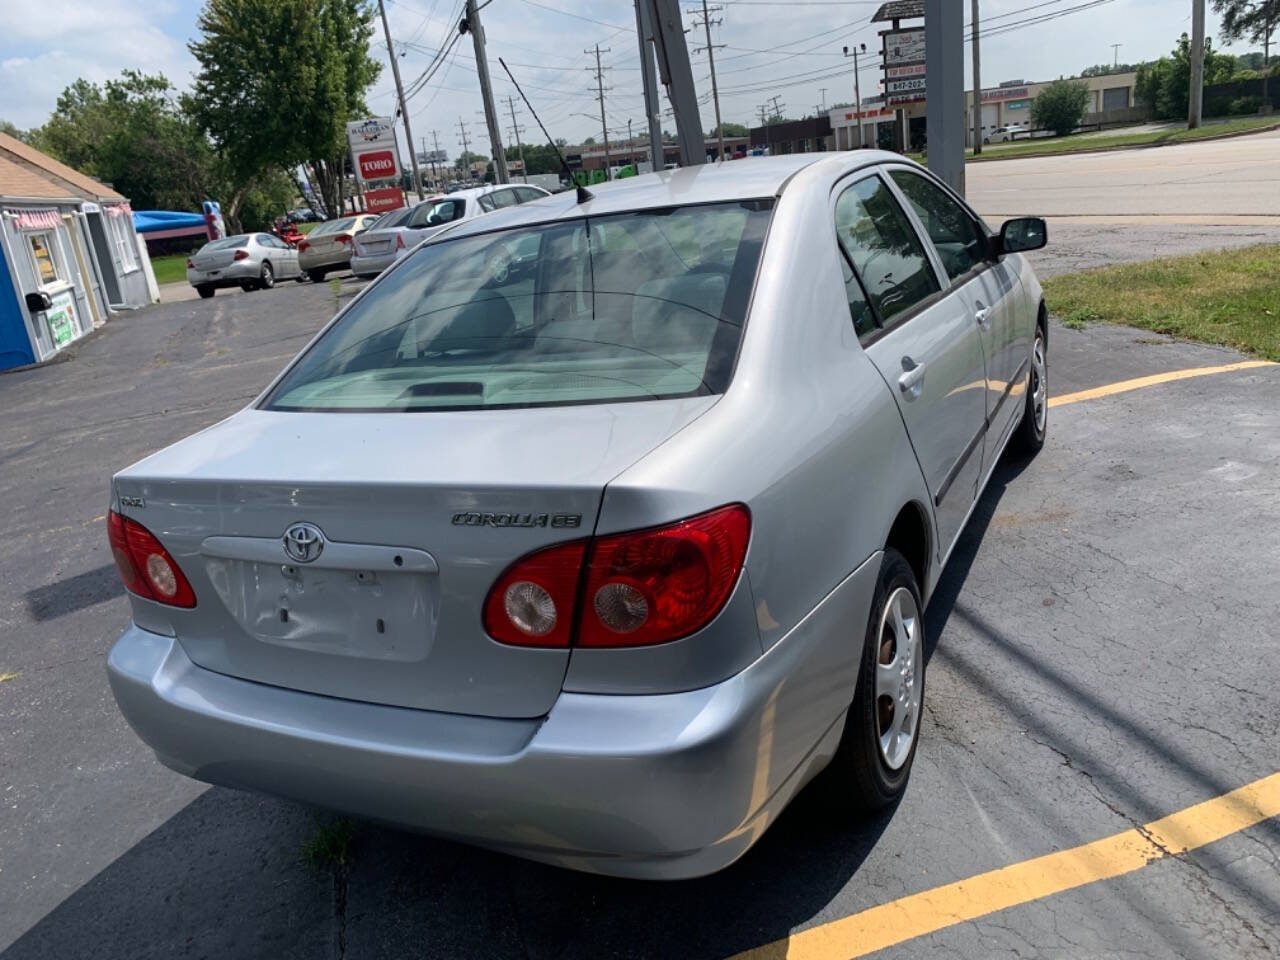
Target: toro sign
<point>377,165</point>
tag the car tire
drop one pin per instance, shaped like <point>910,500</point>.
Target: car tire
<point>873,762</point>
<point>300,278</point>
<point>1035,415</point>
<point>317,276</point>
<point>205,291</point>
<point>266,276</point>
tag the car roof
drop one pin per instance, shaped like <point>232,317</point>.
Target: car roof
<point>751,178</point>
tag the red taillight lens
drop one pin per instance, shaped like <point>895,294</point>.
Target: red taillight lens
<point>190,265</point>
<point>399,241</point>
<point>241,255</point>
<point>145,565</point>
<point>343,238</point>
<point>644,587</point>
<point>653,586</point>
<point>302,245</point>
<point>532,604</point>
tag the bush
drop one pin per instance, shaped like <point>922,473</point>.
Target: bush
<point>1244,106</point>
<point>1060,106</point>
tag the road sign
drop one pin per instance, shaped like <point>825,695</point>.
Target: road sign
<point>377,165</point>
<point>383,199</point>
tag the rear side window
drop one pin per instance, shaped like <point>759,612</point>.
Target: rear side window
<point>883,248</point>
<point>956,235</point>
<point>639,306</point>
<point>525,194</point>
<point>438,213</point>
<point>333,226</point>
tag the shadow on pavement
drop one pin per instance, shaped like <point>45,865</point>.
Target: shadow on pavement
<point>74,593</point>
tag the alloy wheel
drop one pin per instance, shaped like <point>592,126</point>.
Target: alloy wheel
<point>1039,384</point>
<point>899,665</point>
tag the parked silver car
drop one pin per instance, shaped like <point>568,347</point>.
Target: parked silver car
<point>250,261</point>
<point>592,532</point>
<point>328,247</point>
<point>386,242</point>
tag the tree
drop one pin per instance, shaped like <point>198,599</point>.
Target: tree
<point>1060,106</point>
<point>266,112</point>
<point>730,130</point>
<point>589,142</point>
<point>1165,84</point>
<point>1107,69</point>
<point>11,130</point>
<point>1255,20</point>
<point>131,133</point>
<point>538,158</point>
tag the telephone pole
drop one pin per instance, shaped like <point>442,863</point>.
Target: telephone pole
<point>977,86</point>
<point>711,48</point>
<point>515,132</point>
<point>472,23</point>
<point>1115,54</point>
<point>600,90</point>
<point>1196,101</point>
<point>436,140</point>
<point>404,114</point>
<point>777,109</point>
<point>462,132</point>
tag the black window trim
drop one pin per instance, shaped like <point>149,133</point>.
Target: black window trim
<point>986,263</point>
<point>838,188</point>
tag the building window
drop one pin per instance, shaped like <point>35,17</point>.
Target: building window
<point>43,257</point>
<point>122,238</point>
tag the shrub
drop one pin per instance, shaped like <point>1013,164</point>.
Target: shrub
<point>1060,106</point>
<point>1244,106</point>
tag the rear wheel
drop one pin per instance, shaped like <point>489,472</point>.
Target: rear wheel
<point>205,291</point>
<point>1035,418</point>
<point>317,276</point>
<point>266,277</point>
<point>881,730</point>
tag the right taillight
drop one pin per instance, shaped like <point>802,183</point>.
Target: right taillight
<point>638,588</point>
<point>145,565</point>
<point>399,241</point>
<point>303,245</point>
<point>190,265</point>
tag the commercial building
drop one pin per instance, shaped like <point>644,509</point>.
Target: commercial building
<point>810,135</point>
<point>69,255</point>
<point>591,156</point>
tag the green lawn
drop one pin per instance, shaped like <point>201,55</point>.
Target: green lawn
<point>1230,297</point>
<point>170,268</point>
<point>1086,142</point>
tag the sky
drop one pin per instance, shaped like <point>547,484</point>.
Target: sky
<point>785,48</point>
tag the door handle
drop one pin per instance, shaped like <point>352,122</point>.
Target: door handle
<point>911,383</point>
<point>983,316</point>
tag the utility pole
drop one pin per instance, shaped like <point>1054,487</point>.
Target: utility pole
<point>711,61</point>
<point>462,132</point>
<point>649,81</point>
<point>515,132</point>
<point>1115,54</point>
<point>472,23</point>
<point>600,91</point>
<point>1196,101</point>
<point>823,91</point>
<point>857,90</point>
<point>436,140</point>
<point>763,116</point>
<point>977,85</point>
<point>777,110</point>
<point>404,114</point>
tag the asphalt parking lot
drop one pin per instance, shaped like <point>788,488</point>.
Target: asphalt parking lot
<point>1101,655</point>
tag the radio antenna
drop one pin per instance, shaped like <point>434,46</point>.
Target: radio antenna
<point>583,193</point>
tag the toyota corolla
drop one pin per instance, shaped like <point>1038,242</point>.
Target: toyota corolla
<point>597,527</point>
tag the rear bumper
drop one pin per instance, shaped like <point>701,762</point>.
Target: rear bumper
<point>232,275</point>
<point>328,261</point>
<point>370,265</point>
<point>662,786</point>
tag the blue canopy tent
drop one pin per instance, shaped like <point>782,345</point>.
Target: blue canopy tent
<point>161,224</point>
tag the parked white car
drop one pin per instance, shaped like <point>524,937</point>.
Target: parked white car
<point>1008,133</point>
<point>250,261</point>
<point>399,232</point>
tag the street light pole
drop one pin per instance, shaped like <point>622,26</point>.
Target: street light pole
<point>486,93</point>
<point>1196,99</point>
<point>977,86</point>
<point>857,89</point>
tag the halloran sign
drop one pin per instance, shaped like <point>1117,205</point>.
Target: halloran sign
<point>373,148</point>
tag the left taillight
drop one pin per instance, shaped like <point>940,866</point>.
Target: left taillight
<point>399,241</point>
<point>241,255</point>
<point>190,265</point>
<point>303,245</point>
<point>145,565</point>
<point>342,238</point>
<point>639,588</point>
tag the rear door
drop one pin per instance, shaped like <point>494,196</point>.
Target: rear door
<point>990,287</point>
<point>924,343</point>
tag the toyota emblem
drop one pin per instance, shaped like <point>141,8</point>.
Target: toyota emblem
<point>303,542</point>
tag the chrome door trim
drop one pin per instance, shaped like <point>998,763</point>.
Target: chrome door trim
<point>982,432</point>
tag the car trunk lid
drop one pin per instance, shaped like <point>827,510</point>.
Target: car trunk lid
<point>417,516</point>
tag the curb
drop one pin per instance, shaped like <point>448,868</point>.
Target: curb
<point>1129,146</point>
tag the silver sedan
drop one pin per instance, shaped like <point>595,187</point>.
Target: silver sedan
<point>250,261</point>
<point>592,532</point>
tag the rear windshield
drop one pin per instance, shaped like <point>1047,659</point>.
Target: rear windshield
<point>637,306</point>
<point>393,219</point>
<point>226,243</point>
<point>333,226</point>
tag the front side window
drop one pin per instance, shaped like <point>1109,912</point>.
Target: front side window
<point>883,248</point>
<point>41,245</point>
<point>638,306</point>
<point>438,213</point>
<point>957,237</point>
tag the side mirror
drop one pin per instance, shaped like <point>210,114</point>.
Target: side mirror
<point>1023,234</point>
<point>39,301</point>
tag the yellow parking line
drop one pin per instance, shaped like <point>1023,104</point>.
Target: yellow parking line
<point>922,913</point>
<point>1124,386</point>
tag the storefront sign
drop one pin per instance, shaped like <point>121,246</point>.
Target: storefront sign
<point>377,165</point>
<point>1016,105</point>
<point>912,85</point>
<point>380,201</point>
<point>1004,93</point>
<point>910,70</point>
<point>62,319</point>
<point>902,99</point>
<point>902,47</point>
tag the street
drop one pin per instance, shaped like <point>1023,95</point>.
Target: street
<point>1101,655</point>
